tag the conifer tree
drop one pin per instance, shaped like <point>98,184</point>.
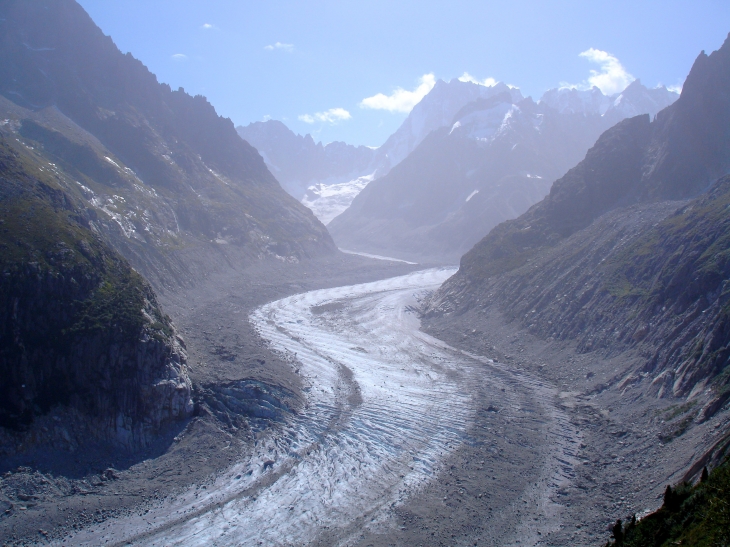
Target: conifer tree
<point>618,532</point>
<point>669,498</point>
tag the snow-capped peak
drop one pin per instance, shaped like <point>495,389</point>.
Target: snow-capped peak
<point>634,100</point>
<point>437,109</point>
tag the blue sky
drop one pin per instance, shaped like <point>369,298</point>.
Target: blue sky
<point>317,65</point>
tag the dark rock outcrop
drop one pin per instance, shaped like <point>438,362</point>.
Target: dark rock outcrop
<point>80,330</point>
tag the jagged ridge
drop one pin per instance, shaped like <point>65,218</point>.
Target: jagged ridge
<point>495,159</point>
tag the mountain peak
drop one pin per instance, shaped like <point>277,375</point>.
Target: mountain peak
<point>437,109</point>
<point>634,100</point>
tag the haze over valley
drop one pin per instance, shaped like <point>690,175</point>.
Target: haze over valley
<point>506,324</point>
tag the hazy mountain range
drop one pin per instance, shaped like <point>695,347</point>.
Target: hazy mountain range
<point>327,178</point>
<point>634,100</point>
<point>495,158</point>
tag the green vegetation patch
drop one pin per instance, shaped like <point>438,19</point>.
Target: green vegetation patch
<point>66,297</point>
<point>676,429</point>
<point>682,258</point>
<point>43,236</point>
<point>677,410</point>
<point>697,516</point>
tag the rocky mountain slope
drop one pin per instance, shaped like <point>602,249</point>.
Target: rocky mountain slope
<point>616,259</point>
<point>497,157</point>
<point>106,173</point>
<point>81,333</point>
<point>162,170</point>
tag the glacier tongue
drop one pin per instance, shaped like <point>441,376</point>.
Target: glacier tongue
<point>385,404</point>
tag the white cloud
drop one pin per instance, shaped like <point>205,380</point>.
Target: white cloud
<point>487,82</point>
<point>208,26</point>
<point>333,116</point>
<point>179,57</point>
<point>675,88</point>
<point>612,77</point>
<point>266,118</point>
<point>401,100</point>
<point>278,45</point>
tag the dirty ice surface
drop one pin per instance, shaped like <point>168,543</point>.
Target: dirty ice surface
<point>385,404</point>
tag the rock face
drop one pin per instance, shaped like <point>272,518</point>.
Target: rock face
<point>162,170</point>
<point>616,258</point>
<point>498,156</point>
<point>80,330</point>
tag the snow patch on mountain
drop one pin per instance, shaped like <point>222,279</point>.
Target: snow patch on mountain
<point>326,178</point>
<point>328,200</point>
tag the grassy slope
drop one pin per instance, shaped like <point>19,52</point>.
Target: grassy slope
<point>695,240</point>
<point>680,268</point>
<point>42,226</point>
